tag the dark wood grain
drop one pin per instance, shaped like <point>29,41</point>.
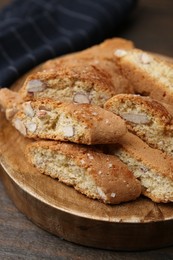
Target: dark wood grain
<point>151,28</point>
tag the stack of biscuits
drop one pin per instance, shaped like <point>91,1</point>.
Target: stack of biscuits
<point>100,121</point>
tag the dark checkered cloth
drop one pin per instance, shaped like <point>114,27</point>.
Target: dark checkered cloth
<point>32,31</point>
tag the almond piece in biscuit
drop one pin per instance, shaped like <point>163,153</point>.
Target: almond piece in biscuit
<point>79,123</point>
<point>148,74</point>
<point>145,117</point>
<point>152,167</point>
<point>92,173</point>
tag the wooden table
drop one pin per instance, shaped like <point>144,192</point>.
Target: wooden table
<point>151,28</point>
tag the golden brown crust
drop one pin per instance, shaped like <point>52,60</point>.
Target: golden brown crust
<point>111,177</point>
<point>80,123</point>
<point>74,72</point>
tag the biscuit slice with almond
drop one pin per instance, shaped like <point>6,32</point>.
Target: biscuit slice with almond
<point>92,173</point>
<point>90,76</point>
<point>70,82</point>
<point>152,167</point>
<point>79,123</point>
<point>149,74</point>
<point>145,117</point>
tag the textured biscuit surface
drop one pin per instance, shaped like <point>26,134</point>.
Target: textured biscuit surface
<point>97,175</point>
<point>151,166</point>
<point>77,83</point>
<point>80,123</point>
<point>145,117</point>
<point>149,75</point>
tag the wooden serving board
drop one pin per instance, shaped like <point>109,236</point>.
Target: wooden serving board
<point>70,215</point>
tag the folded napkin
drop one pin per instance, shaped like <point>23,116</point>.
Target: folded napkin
<point>33,31</point>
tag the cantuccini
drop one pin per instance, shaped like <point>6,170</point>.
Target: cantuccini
<point>76,83</point>
<point>92,173</point>
<point>150,75</point>
<point>152,167</point>
<point>145,117</point>
<point>91,76</point>
<point>79,123</point>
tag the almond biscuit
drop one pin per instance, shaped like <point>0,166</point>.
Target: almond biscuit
<point>79,123</point>
<point>145,117</point>
<point>149,75</point>
<point>90,76</point>
<point>76,83</point>
<point>92,173</point>
<point>152,167</point>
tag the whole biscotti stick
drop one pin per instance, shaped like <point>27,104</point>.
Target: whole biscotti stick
<point>94,174</point>
<point>153,168</point>
<point>145,117</point>
<point>149,75</point>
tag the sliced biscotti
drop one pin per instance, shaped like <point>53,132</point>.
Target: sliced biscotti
<point>79,123</point>
<point>149,75</point>
<point>91,76</point>
<point>150,166</point>
<point>102,66</point>
<point>146,118</point>
<point>71,83</point>
<point>97,175</point>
